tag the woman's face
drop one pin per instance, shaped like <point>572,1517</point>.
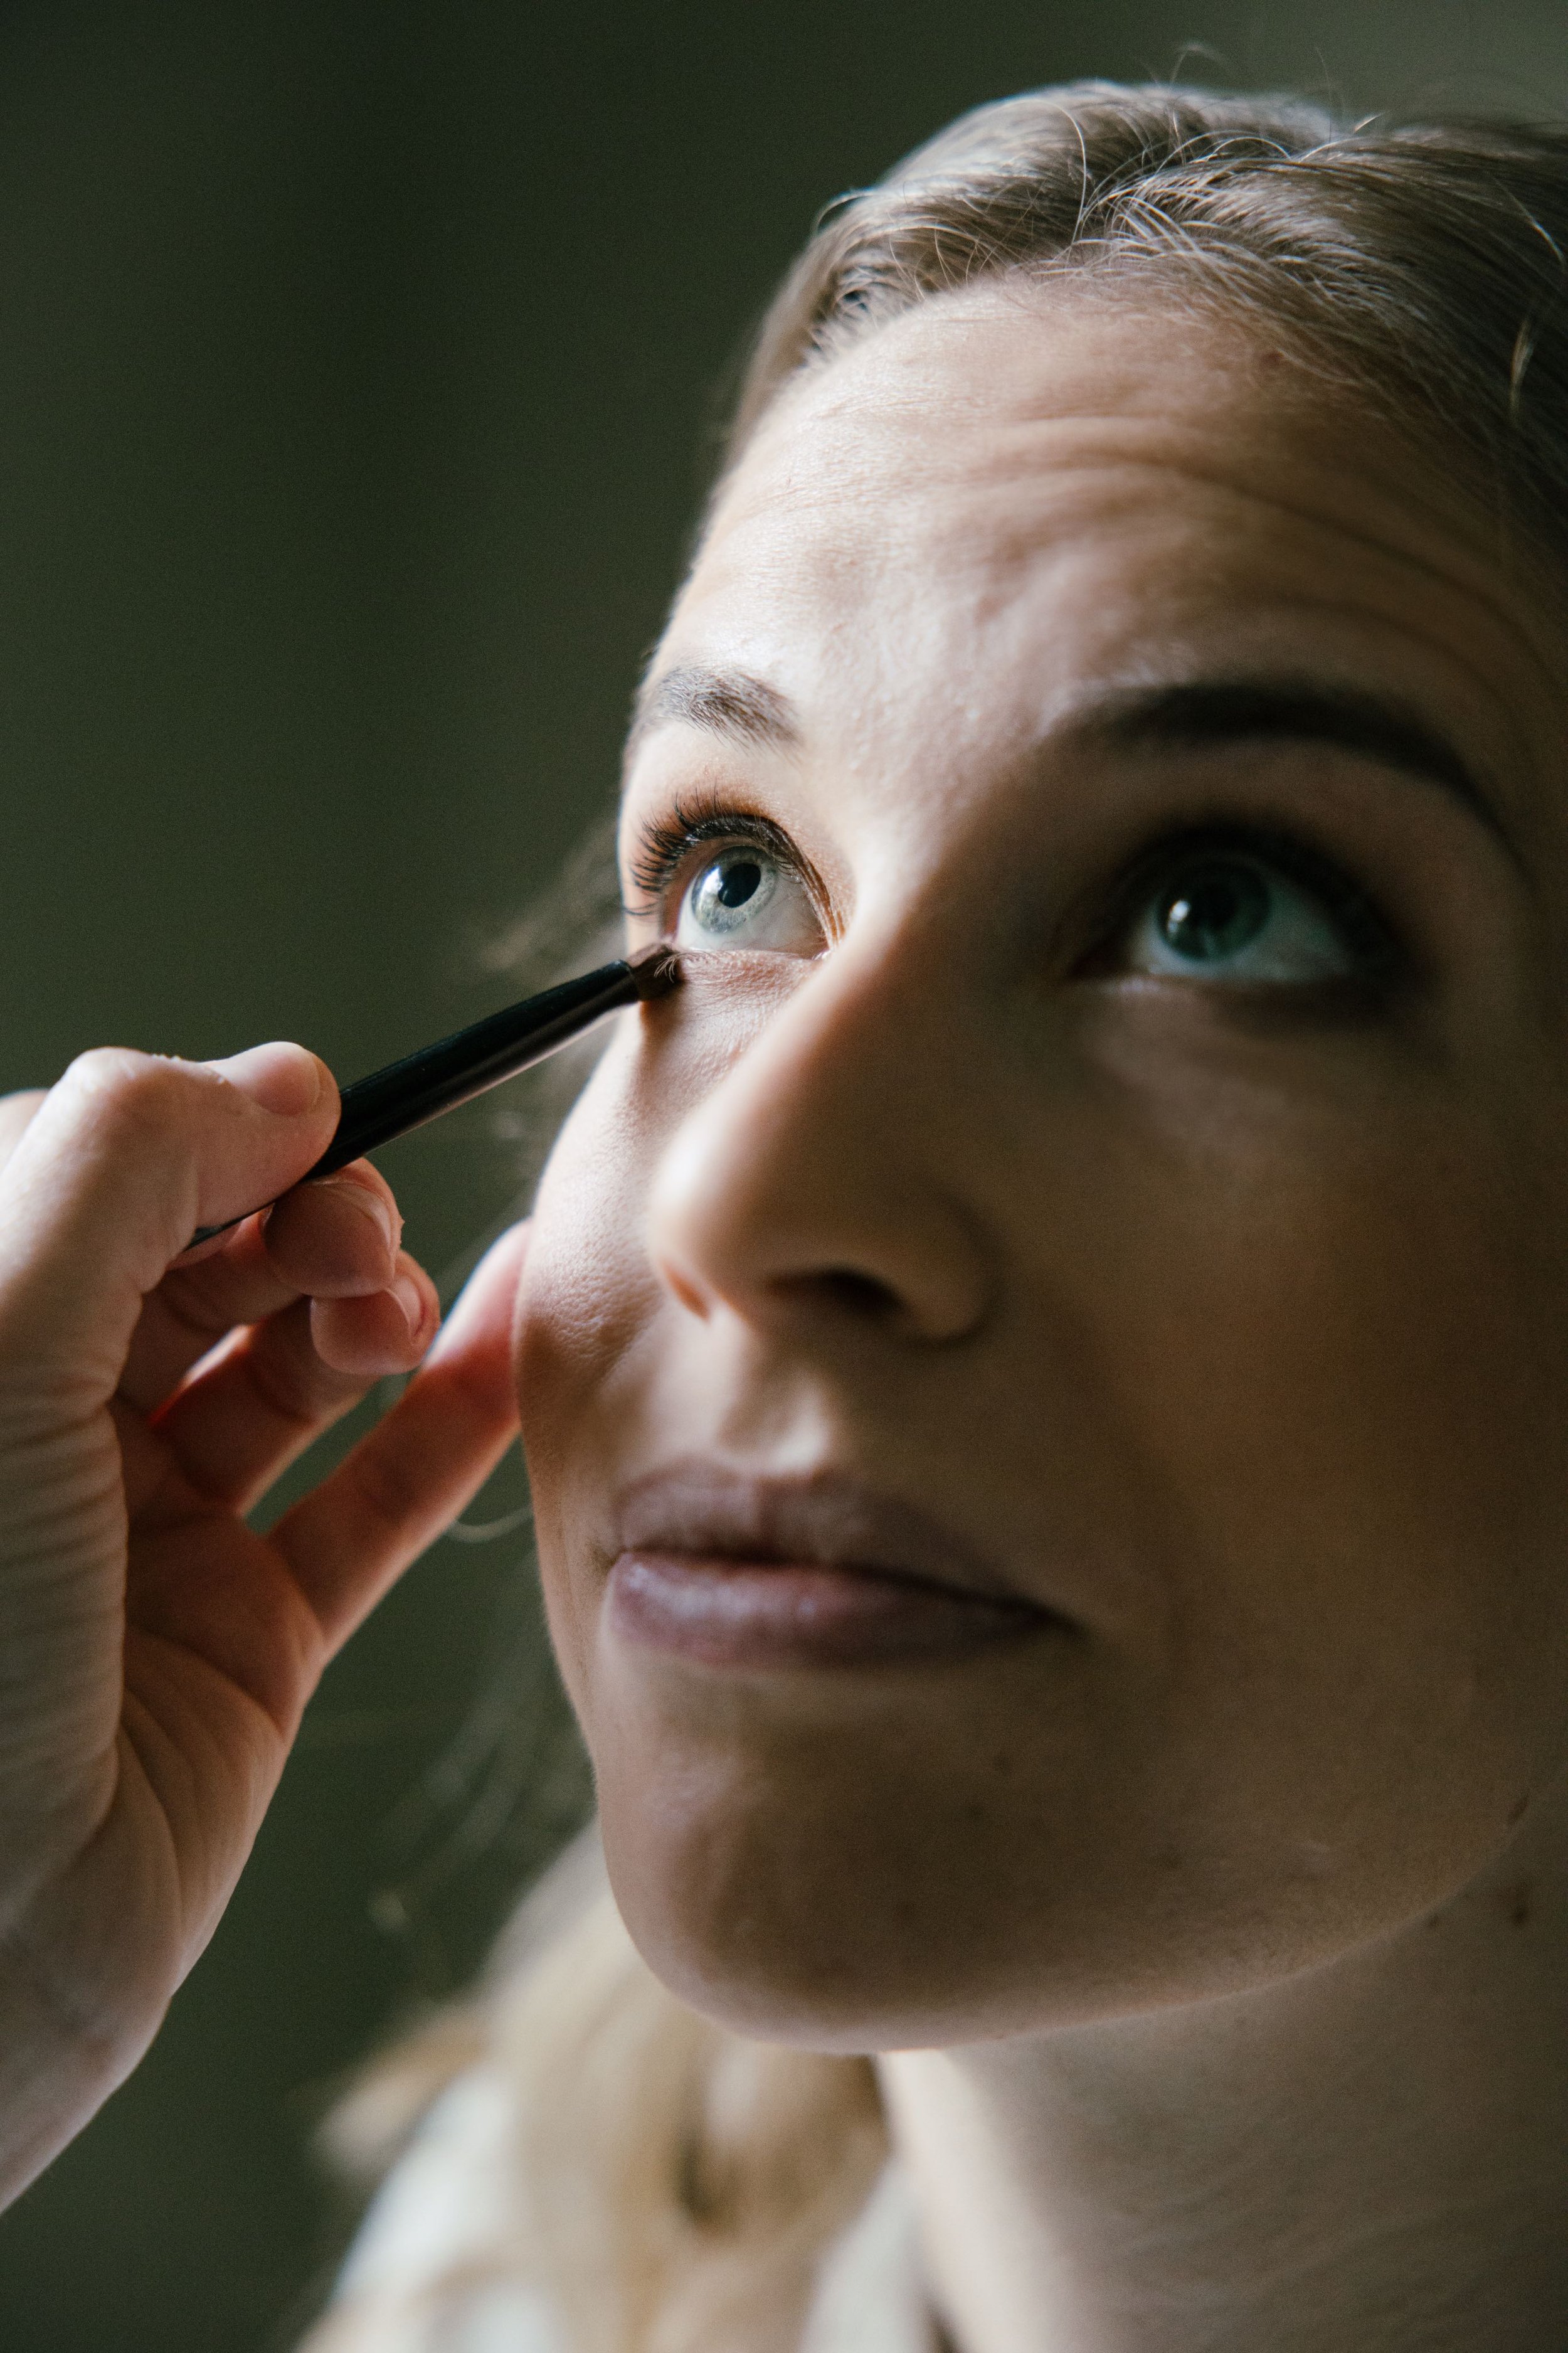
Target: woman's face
<point>1044,1364</point>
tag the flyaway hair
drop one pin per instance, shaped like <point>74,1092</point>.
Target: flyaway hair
<point>1418,271</point>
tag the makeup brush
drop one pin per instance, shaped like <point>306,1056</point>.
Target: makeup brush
<point>406,1094</point>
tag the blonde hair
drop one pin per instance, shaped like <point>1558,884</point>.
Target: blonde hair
<point>676,2185</point>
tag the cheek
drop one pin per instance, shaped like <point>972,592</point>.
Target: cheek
<point>1321,1388</point>
<point>1330,1397</point>
<point>593,1312</point>
<point>1342,1371</point>
<point>587,1297</point>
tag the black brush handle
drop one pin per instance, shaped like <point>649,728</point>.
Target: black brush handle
<point>406,1094</point>
<point>396,1101</point>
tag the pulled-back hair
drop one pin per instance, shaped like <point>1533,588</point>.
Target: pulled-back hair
<point>675,2186</point>
<point>1419,270</point>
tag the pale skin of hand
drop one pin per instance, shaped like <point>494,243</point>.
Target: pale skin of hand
<point>156,1652</point>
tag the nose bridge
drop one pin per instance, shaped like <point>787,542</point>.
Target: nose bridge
<point>816,1169</point>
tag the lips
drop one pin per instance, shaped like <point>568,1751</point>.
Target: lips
<point>745,1573</point>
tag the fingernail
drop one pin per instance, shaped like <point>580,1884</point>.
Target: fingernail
<point>281,1078</point>
<point>411,1299</point>
<point>373,1205</point>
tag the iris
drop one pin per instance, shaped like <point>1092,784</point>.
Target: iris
<point>1214,911</point>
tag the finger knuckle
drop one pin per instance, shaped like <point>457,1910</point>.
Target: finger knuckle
<point>386,1485</point>
<point>126,1093</point>
<point>291,1380</point>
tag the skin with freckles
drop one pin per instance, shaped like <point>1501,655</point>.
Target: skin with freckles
<point>1112,803</point>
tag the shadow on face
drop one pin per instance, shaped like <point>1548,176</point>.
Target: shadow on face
<point>1042,1365</point>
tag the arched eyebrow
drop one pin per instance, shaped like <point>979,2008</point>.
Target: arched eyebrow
<point>1193,715</point>
<point>730,703</point>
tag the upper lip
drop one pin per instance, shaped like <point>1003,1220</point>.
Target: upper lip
<point>824,1517</point>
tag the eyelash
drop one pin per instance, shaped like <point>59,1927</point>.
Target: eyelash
<point>665,845</point>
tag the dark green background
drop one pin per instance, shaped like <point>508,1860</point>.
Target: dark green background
<point>357,366</point>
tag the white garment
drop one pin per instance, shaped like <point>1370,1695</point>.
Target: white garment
<point>421,2276</point>
<point>870,2295</point>
<point>424,2274</point>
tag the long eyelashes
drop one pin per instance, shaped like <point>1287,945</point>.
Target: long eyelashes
<point>665,845</point>
<point>666,851</point>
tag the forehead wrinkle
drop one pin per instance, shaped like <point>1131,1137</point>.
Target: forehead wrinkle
<point>1039,516</point>
<point>848,406</point>
<point>1450,560</point>
<point>839,464</point>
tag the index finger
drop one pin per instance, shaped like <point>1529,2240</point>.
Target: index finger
<point>410,1477</point>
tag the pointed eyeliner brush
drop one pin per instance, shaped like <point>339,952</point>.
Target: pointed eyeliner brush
<point>406,1094</point>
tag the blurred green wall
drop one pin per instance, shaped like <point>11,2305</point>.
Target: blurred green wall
<point>356,363</point>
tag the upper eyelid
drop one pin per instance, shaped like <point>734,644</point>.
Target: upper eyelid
<point>1356,910</point>
<point>662,845</point>
<point>662,842</point>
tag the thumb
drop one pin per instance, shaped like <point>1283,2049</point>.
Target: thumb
<point>17,1112</point>
<point>120,1163</point>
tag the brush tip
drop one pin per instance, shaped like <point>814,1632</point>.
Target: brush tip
<point>656,970</point>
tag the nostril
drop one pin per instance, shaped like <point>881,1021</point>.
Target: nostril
<point>846,1287</point>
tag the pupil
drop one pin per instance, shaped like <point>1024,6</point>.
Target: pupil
<point>1214,913</point>
<point>739,882</point>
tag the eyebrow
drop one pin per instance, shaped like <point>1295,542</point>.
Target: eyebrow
<point>729,702</point>
<point>1189,716</point>
<point>1197,714</point>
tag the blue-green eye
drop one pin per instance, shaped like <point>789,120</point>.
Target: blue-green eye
<point>748,898</point>
<point>1228,915</point>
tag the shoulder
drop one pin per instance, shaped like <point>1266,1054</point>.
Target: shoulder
<point>436,2267</point>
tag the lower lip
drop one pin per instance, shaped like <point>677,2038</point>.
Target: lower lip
<point>756,1614</point>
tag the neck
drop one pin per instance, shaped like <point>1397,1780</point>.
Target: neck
<point>1371,2154</point>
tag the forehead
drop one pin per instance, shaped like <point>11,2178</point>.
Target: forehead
<point>1001,501</point>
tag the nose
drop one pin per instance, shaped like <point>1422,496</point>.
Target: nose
<point>820,1176</point>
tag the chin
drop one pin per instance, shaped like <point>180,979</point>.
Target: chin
<point>1024,1841</point>
<point>841,1903</point>
<point>864,1924</point>
<point>832,1866</point>
<point>787,1949</point>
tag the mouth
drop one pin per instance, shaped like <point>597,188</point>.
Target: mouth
<point>731,1571</point>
